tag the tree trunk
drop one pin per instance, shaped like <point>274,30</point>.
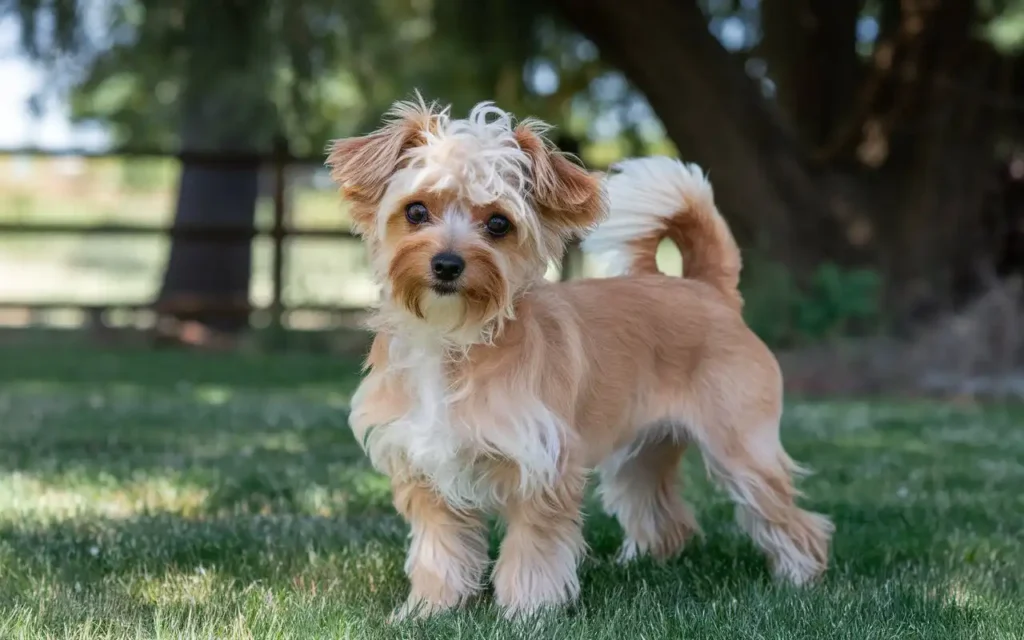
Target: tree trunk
<point>811,51</point>
<point>929,185</point>
<point>889,170</point>
<point>208,281</point>
<point>225,109</point>
<point>718,117</point>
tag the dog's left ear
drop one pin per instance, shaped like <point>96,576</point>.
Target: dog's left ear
<point>568,197</point>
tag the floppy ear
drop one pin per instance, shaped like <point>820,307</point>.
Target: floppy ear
<point>567,196</point>
<point>362,166</point>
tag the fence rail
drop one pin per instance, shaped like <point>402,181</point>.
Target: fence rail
<point>206,158</point>
<point>215,234</point>
<point>278,161</point>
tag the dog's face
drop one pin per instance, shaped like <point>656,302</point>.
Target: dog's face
<point>461,216</point>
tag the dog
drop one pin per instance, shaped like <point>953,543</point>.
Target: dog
<point>489,389</point>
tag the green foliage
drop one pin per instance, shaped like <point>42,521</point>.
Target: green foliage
<point>769,294</point>
<point>204,74</point>
<point>1005,27</point>
<point>837,301</point>
<point>832,303</point>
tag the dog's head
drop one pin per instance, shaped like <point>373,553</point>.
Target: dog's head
<point>461,215</point>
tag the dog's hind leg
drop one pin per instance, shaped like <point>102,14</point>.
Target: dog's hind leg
<point>640,487</point>
<point>743,453</point>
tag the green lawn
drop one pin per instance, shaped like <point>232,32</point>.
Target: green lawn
<point>172,495</point>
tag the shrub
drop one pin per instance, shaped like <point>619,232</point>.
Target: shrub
<point>833,302</point>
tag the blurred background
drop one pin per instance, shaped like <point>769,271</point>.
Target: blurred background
<point>162,180</point>
<point>181,297</point>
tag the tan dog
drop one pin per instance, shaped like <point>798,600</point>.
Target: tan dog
<point>491,389</point>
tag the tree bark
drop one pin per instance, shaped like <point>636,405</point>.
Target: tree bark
<point>929,185</point>
<point>225,109</point>
<point>718,117</point>
<point>903,187</point>
<point>208,281</point>
<point>810,48</point>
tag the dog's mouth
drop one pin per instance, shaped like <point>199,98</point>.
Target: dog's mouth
<point>444,288</point>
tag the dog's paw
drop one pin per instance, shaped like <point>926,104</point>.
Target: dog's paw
<point>418,609</point>
<point>628,553</point>
<point>526,613</point>
<point>534,588</point>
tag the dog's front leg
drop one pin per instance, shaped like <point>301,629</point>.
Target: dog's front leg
<point>543,545</point>
<point>447,553</point>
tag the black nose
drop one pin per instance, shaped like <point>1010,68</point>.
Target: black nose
<point>447,266</point>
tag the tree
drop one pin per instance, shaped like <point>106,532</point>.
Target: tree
<point>883,158</point>
<point>848,131</point>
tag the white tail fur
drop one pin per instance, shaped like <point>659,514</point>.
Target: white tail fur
<point>651,199</point>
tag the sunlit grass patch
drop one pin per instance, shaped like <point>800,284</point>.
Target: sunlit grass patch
<point>28,497</point>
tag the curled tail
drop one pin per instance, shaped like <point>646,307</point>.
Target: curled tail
<point>651,199</point>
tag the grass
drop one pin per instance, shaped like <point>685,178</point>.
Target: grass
<point>172,495</point>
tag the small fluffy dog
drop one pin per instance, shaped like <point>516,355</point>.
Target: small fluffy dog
<point>490,389</point>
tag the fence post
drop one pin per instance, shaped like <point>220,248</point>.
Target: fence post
<point>278,232</point>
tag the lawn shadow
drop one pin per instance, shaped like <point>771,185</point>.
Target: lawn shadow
<point>249,548</point>
<point>121,575</point>
<point>73,365</point>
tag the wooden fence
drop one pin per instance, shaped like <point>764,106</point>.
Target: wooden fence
<point>278,161</point>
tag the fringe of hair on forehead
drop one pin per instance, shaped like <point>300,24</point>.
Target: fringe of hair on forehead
<point>478,157</point>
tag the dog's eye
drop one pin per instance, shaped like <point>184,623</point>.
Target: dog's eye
<point>416,213</point>
<point>498,225</point>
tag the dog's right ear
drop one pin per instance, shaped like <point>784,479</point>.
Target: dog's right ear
<point>362,166</point>
<point>570,198</point>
